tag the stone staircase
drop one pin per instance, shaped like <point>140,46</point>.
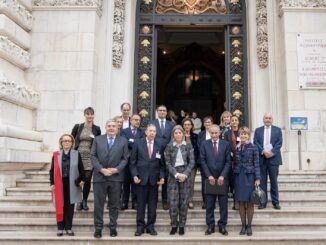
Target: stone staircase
<point>27,217</point>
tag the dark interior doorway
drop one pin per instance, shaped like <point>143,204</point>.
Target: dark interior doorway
<point>191,69</point>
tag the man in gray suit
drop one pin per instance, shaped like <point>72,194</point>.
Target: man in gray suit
<point>109,155</point>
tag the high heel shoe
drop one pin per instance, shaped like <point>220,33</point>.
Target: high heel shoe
<point>60,233</point>
<point>243,230</point>
<point>84,203</point>
<point>181,230</point>
<point>79,206</point>
<point>249,230</point>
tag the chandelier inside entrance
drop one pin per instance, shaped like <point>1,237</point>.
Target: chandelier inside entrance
<point>191,6</point>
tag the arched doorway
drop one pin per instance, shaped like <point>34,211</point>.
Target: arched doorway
<point>192,74</point>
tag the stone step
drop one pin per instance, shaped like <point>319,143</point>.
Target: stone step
<point>282,183</point>
<point>48,212</point>
<point>283,191</point>
<point>163,225</point>
<point>295,201</point>
<point>191,238</point>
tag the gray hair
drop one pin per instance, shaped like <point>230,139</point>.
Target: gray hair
<point>111,121</point>
<point>214,126</point>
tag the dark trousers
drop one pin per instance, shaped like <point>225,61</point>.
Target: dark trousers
<point>68,209</point>
<point>127,187</point>
<point>87,185</point>
<point>210,206</point>
<point>271,171</point>
<point>146,194</point>
<point>203,178</point>
<point>101,190</point>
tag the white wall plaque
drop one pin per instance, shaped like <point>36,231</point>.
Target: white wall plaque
<point>312,60</point>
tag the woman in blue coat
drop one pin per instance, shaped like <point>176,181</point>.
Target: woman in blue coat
<point>247,176</point>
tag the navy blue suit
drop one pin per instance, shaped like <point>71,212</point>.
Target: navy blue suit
<point>150,171</point>
<point>127,133</point>
<point>216,166</point>
<point>270,166</point>
<point>163,139</point>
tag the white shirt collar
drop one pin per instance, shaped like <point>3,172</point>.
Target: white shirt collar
<point>183,143</point>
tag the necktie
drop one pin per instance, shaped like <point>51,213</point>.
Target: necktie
<point>266,138</point>
<point>134,131</point>
<point>149,148</point>
<point>215,149</point>
<point>162,126</point>
<point>110,142</point>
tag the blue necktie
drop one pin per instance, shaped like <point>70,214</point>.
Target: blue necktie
<point>162,127</point>
<point>110,142</point>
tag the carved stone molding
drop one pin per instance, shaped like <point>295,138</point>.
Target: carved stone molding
<point>14,53</point>
<point>262,33</point>
<point>71,3</point>
<point>18,94</point>
<point>300,4</point>
<point>17,12</point>
<point>118,32</point>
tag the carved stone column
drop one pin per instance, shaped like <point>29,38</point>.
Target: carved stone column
<point>118,32</point>
<point>262,33</point>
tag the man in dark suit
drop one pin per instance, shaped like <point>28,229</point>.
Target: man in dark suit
<point>163,136</point>
<point>147,170</point>
<point>216,163</point>
<point>268,139</point>
<point>131,134</point>
<point>109,155</point>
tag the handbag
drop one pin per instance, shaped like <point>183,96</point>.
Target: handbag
<point>258,196</point>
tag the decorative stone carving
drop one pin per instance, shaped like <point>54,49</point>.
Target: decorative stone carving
<point>17,12</point>
<point>71,3</point>
<point>262,34</point>
<point>14,53</point>
<point>118,32</point>
<point>18,94</point>
<point>191,6</point>
<point>303,3</point>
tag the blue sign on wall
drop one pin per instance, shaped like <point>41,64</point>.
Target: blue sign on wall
<point>299,123</point>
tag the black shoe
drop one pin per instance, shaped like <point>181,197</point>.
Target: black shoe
<point>166,206</point>
<point>60,233</point>
<point>277,206</point>
<point>124,207</point>
<point>134,206</point>
<point>84,204</point>
<point>203,206</point>
<point>173,230</point>
<point>261,206</point>
<point>243,230</point>
<point>113,233</point>
<point>249,231</point>
<point>139,232</point>
<point>209,231</point>
<point>223,231</point>
<point>70,233</point>
<point>181,230</point>
<point>152,232</point>
<point>98,233</point>
<point>79,206</point>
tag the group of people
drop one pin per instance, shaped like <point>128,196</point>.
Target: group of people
<point>127,160</point>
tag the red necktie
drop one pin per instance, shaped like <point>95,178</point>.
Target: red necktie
<point>215,149</point>
<point>149,149</point>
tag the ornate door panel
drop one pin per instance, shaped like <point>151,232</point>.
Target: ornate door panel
<point>227,13</point>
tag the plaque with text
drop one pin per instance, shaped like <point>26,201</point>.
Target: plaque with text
<point>312,60</point>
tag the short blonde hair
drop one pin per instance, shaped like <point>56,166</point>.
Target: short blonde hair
<point>225,113</point>
<point>244,130</point>
<point>71,137</point>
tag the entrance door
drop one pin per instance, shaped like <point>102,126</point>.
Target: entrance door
<point>190,55</point>
<point>191,69</point>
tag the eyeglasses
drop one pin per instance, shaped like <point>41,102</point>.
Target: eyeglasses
<point>66,141</point>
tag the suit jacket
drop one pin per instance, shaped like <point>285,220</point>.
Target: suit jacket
<point>276,141</point>
<point>212,166</point>
<point>163,139</point>
<point>201,137</point>
<point>248,158</point>
<point>147,169</point>
<point>127,133</point>
<point>194,143</point>
<point>102,157</point>
<point>78,128</point>
<point>188,157</point>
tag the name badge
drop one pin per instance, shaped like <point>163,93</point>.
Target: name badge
<point>158,155</point>
<point>131,140</point>
<point>92,136</point>
<point>238,139</point>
